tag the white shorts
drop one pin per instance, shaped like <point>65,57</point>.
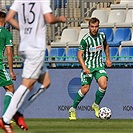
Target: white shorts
<point>33,64</point>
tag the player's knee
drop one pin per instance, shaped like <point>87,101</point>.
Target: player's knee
<point>9,88</point>
<point>102,83</point>
<point>103,86</point>
<point>85,89</point>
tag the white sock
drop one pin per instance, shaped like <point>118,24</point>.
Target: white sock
<point>80,93</point>
<point>9,94</point>
<point>96,105</point>
<point>15,103</point>
<point>30,98</point>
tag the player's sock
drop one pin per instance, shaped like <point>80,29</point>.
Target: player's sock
<point>30,98</point>
<point>79,96</point>
<point>15,103</point>
<point>99,95</point>
<point>7,100</point>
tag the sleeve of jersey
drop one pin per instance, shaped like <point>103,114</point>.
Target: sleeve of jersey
<point>14,6</point>
<point>82,45</point>
<point>46,7</point>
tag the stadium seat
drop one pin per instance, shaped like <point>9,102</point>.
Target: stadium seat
<point>46,55</point>
<point>68,35</point>
<point>114,53</point>
<point>126,53</point>
<point>124,4</point>
<point>130,5</point>
<point>114,16</point>
<point>108,32</point>
<point>57,54</point>
<point>59,3</point>
<point>121,34</point>
<point>128,21</point>
<point>101,14</point>
<point>8,7</point>
<point>127,43</point>
<point>72,56</point>
<point>81,34</point>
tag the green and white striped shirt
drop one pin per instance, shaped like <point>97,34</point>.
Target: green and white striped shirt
<point>5,40</point>
<point>92,48</point>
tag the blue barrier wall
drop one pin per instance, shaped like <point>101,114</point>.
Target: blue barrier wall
<point>56,101</point>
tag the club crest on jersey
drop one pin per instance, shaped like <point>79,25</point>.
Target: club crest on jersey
<point>95,49</point>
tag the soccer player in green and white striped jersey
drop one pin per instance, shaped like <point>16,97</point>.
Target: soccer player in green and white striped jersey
<point>5,78</point>
<point>90,58</point>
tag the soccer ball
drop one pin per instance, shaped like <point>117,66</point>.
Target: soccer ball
<point>105,113</point>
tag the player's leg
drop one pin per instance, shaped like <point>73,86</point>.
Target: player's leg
<point>44,80</point>
<point>19,118</point>
<point>7,84</point>
<point>78,98</point>
<point>30,75</point>
<point>101,78</point>
<point>8,96</point>
<point>86,81</point>
<point>15,103</point>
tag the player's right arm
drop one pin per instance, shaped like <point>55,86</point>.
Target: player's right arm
<point>80,56</point>
<point>81,61</point>
<point>10,18</point>
<point>9,51</point>
<point>51,19</point>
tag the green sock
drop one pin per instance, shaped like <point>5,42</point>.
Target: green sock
<point>7,99</point>
<point>99,95</point>
<point>79,96</point>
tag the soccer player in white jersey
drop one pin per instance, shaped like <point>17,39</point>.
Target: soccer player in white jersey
<point>32,18</point>
<point>90,58</point>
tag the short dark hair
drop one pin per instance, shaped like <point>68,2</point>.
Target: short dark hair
<point>2,14</point>
<point>94,20</point>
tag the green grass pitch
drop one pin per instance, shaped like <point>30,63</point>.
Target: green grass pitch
<point>77,126</point>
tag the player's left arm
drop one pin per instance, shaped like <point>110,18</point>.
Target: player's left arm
<point>107,53</point>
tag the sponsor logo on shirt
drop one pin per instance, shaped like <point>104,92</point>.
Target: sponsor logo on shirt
<point>95,49</point>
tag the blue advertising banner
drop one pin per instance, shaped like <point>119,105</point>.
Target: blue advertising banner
<point>56,101</point>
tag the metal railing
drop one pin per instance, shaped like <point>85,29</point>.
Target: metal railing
<point>70,62</point>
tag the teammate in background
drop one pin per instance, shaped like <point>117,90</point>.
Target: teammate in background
<point>32,17</point>
<point>6,45</point>
<point>90,58</point>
